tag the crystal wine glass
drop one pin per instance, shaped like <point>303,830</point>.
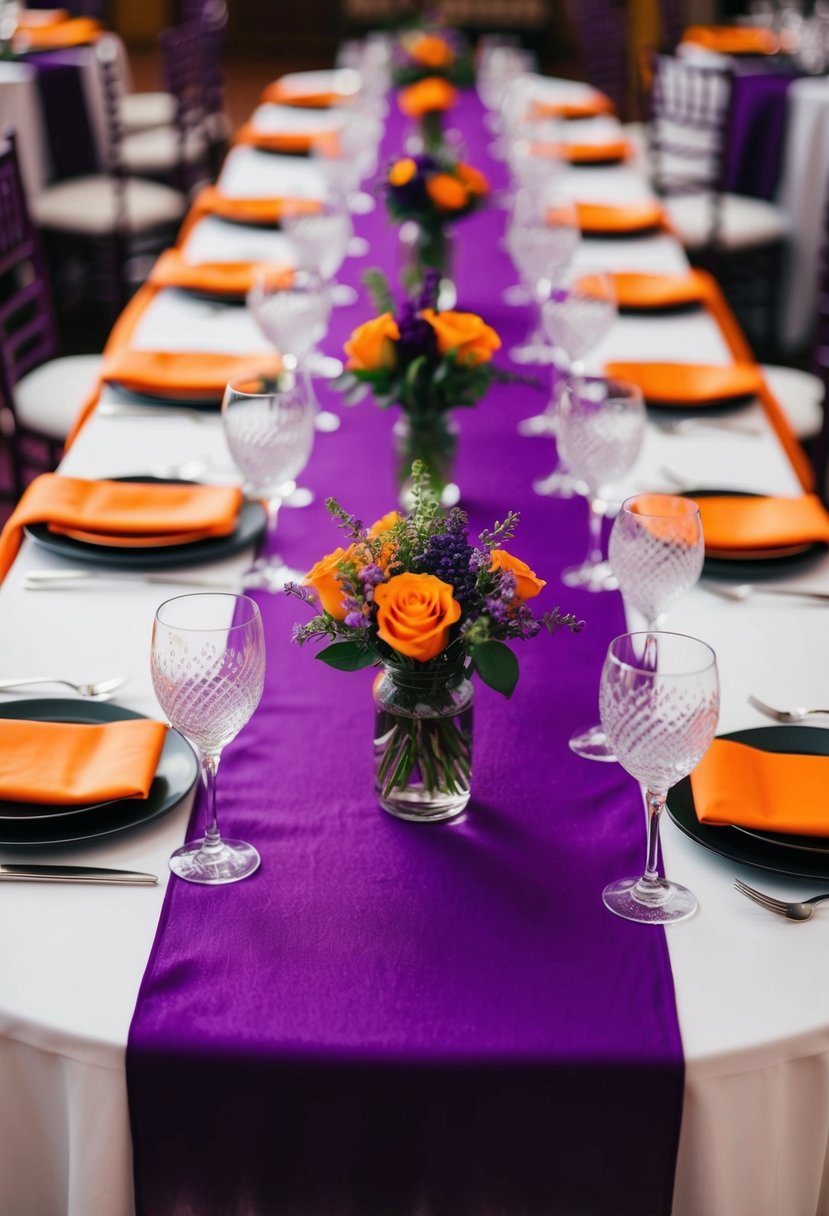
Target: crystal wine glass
<point>542,236</point>
<point>269,428</point>
<point>292,308</point>
<point>208,669</point>
<point>579,313</point>
<point>321,240</point>
<point>659,699</point>
<point>656,552</point>
<point>601,428</point>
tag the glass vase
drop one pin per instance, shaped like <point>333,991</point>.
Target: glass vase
<point>423,742</point>
<point>428,247</point>
<point>432,438</point>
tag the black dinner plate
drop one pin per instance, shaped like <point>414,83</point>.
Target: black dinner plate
<point>796,857</point>
<point>175,776</point>
<point>750,569</point>
<point>249,527</point>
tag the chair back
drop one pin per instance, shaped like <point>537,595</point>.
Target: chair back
<point>28,330</point>
<point>671,22</point>
<point>182,57</point>
<point>689,121</point>
<point>602,34</point>
<point>214,27</point>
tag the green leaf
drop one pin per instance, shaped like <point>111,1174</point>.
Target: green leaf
<point>496,665</point>
<point>347,656</point>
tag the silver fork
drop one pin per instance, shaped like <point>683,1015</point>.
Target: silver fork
<point>784,715</point>
<point>687,426</point>
<point>101,691</point>
<point>791,910</point>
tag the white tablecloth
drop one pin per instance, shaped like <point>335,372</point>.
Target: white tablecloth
<point>752,994</point>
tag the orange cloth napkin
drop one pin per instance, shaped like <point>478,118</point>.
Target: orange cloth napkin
<point>41,18</point>
<point>690,383</point>
<point>281,95</point>
<point>288,142</point>
<point>650,292</point>
<point>265,211</point>
<point>77,31</point>
<point>607,219</point>
<point>768,791</point>
<point>182,375</point>
<point>116,508</point>
<point>211,278</point>
<point>609,151</point>
<point>589,107</point>
<point>733,40</point>
<point>68,764</point>
<point>732,523</point>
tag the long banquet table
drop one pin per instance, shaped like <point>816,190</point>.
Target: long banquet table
<point>752,1004</point>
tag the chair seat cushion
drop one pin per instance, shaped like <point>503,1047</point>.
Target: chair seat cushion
<point>48,398</point>
<point>745,222</point>
<point>157,151</point>
<point>143,111</point>
<point>87,205</point>
<point>800,396</point>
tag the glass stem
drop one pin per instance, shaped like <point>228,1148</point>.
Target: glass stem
<point>272,506</point>
<point>598,506</point>
<point>209,769</point>
<point>649,889</point>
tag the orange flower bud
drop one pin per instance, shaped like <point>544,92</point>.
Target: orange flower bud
<point>402,171</point>
<point>472,180</point>
<point>427,96</point>
<point>465,333</point>
<point>447,192</point>
<point>371,347</point>
<point>324,578</point>
<point>431,50</point>
<point>527,585</point>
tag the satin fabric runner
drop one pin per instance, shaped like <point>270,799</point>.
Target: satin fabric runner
<point>405,1019</point>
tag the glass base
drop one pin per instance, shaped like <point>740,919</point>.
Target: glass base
<point>358,247</point>
<point>326,422</point>
<point>361,203</point>
<point>590,577</point>
<point>659,903</point>
<point>420,807</point>
<point>450,496</point>
<point>229,861</point>
<point>531,352</point>
<point>538,424</point>
<point>559,484</point>
<point>517,296</point>
<point>343,295</point>
<point>271,574</point>
<point>592,744</point>
<point>298,496</point>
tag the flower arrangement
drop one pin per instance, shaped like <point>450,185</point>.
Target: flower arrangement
<point>425,103</point>
<point>427,362</point>
<point>415,595</point>
<point>433,191</point>
<point>432,51</point>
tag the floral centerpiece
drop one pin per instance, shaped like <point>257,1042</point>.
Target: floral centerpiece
<point>426,103</point>
<point>426,361</point>
<point>427,194</point>
<point>415,596</point>
<point>426,51</point>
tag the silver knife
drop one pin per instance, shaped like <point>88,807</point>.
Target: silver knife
<point>34,873</point>
<point>42,580</point>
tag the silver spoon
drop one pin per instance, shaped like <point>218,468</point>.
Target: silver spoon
<point>739,592</point>
<point>784,715</point>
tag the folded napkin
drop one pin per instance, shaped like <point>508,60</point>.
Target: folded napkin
<point>69,764</point>
<point>210,278</point>
<point>690,383</point>
<point>77,31</point>
<point>182,375</point>
<point>289,142</point>
<point>597,219</point>
<point>733,524</point>
<point>767,791</point>
<point>606,152</point>
<point>732,39</point>
<point>586,107</point>
<point>107,510</point>
<point>651,292</point>
<point>284,95</point>
<point>265,211</point>
<point>40,18</point>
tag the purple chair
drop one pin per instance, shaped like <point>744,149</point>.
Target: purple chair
<point>40,394</point>
<point>602,35</point>
<point>672,23</point>
<point>183,55</point>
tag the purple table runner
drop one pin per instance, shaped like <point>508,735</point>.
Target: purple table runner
<point>400,1019</point>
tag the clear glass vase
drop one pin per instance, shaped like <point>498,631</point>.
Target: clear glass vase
<point>432,438</point>
<point>423,742</point>
<point>426,247</point>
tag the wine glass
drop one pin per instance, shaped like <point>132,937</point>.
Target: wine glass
<point>292,308</point>
<point>601,428</point>
<point>659,698</point>
<point>579,313</point>
<point>321,239</point>
<point>269,428</point>
<point>656,552</point>
<point>208,670</point>
<point>542,236</point>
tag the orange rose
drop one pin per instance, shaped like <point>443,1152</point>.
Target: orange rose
<point>385,524</point>
<point>446,192</point>
<point>431,51</point>
<point>371,346</point>
<point>472,179</point>
<point>472,340</point>
<point>402,171</point>
<point>527,585</point>
<point>414,613</point>
<point>324,578</point>
<point>426,97</point>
